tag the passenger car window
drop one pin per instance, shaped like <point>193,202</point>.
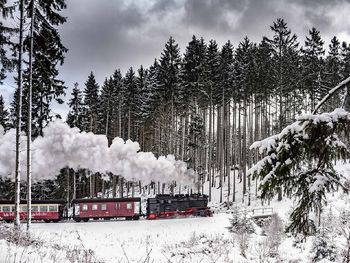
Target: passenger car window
<point>94,207</point>
<point>52,208</point>
<point>6,208</point>
<point>24,208</point>
<point>43,208</point>
<point>103,207</point>
<point>128,206</point>
<point>35,209</point>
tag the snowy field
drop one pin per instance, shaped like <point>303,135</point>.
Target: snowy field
<point>173,240</point>
<point>130,241</point>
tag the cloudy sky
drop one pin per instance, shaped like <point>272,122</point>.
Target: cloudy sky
<point>103,35</point>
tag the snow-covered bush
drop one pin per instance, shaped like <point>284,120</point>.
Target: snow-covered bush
<point>274,230</point>
<point>241,223</point>
<point>324,248</point>
<point>199,246</point>
<point>241,226</point>
<point>344,232</point>
<point>22,247</point>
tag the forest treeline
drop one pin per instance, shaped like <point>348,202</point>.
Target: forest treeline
<point>206,106</point>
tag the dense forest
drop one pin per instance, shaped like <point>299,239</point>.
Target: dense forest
<point>205,106</point>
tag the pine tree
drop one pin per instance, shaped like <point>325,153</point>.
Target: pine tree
<point>169,69</point>
<point>285,64</point>
<point>169,94</point>
<point>192,87</point>
<point>332,72</point>
<point>130,96</point>
<point>91,101</point>
<point>152,90</point>
<point>192,72</point>
<point>313,67</point>
<point>48,55</point>
<point>117,102</point>
<point>211,83</point>
<point>244,82</point>
<point>106,107</point>
<point>6,63</point>
<point>300,160</point>
<point>345,60</point>
<point>75,114</point>
<point>4,115</point>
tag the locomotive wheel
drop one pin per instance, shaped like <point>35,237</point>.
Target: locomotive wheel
<point>96,218</point>
<point>47,220</point>
<point>136,218</point>
<point>76,219</point>
<point>128,218</point>
<point>86,219</point>
<point>8,221</point>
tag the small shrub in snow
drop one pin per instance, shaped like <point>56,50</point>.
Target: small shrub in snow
<point>323,248</point>
<point>201,248</point>
<point>241,223</point>
<point>344,231</point>
<point>241,226</point>
<point>273,230</point>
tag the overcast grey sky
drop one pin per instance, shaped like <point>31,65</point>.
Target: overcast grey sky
<point>103,35</point>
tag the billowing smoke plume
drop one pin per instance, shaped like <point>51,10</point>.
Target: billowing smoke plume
<point>62,146</point>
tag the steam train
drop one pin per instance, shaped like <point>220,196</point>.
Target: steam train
<point>161,206</point>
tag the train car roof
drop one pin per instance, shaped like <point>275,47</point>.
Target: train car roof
<point>104,200</point>
<point>12,202</point>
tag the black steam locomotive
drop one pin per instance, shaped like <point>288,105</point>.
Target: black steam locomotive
<point>169,206</point>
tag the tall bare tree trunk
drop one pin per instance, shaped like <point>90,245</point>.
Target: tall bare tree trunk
<point>19,120</point>
<point>74,185</point>
<point>29,124</point>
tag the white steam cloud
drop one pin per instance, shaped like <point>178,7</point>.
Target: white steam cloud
<point>62,146</point>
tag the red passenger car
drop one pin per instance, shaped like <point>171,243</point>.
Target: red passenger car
<point>42,210</point>
<point>85,209</point>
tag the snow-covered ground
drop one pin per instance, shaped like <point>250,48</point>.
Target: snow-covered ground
<point>127,241</point>
<point>183,240</point>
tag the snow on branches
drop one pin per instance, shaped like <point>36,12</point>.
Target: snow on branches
<point>62,146</point>
<point>300,159</point>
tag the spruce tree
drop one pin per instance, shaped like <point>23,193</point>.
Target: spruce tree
<point>75,114</point>
<point>169,70</point>
<point>117,103</point>
<point>283,46</point>
<point>106,107</point>
<point>6,63</point>
<point>143,95</point>
<point>345,60</point>
<point>48,55</point>
<point>152,87</point>
<point>192,72</point>
<point>130,103</point>
<point>91,102</point>
<point>313,67</point>
<point>4,115</point>
<point>212,72</point>
<point>300,160</point>
<point>332,72</point>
